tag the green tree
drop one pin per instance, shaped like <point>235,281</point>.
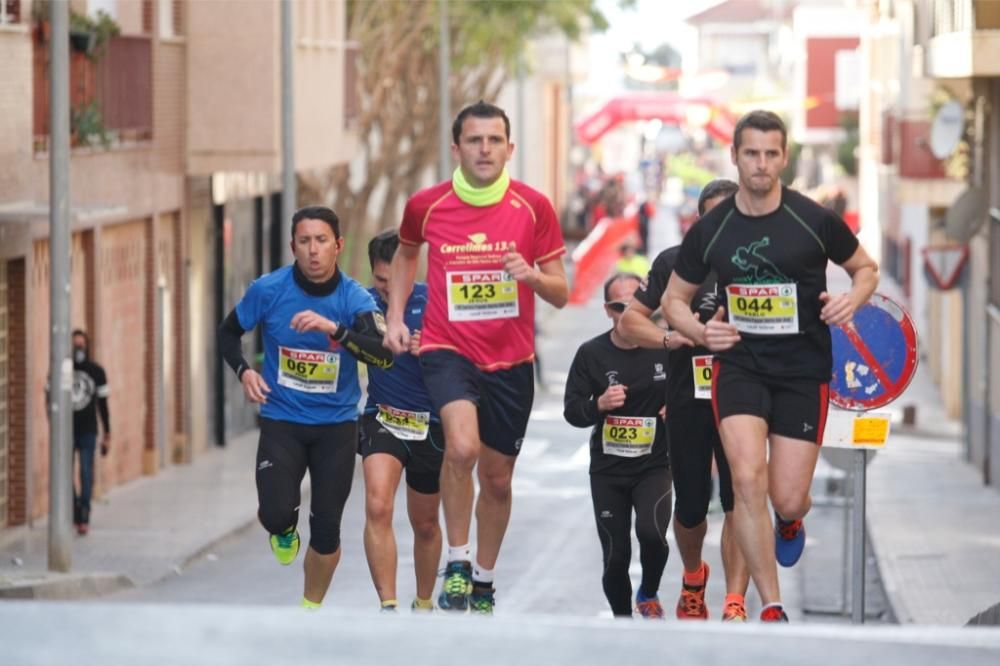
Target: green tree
<point>399,88</point>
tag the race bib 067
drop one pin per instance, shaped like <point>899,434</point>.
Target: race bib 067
<point>308,370</point>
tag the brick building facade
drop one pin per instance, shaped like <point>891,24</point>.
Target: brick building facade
<point>147,217</point>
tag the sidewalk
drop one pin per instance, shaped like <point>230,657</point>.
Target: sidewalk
<point>141,532</point>
<point>933,524</point>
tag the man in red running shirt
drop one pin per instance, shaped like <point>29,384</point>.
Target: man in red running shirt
<point>493,243</point>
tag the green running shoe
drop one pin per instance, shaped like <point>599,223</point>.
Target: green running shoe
<point>285,546</point>
<point>481,600</point>
<point>457,586</point>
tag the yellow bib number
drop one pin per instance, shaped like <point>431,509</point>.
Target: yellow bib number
<point>308,370</point>
<point>629,436</point>
<point>702,367</point>
<point>769,309</point>
<point>404,424</point>
<point>478,295</point>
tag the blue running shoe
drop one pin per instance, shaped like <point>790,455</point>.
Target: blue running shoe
<point>649,608</point>
<point>789,540</point>
<point>457,586</point>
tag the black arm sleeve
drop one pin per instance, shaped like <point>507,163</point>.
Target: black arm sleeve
<point>579,402</point>
<point>230,333</point>
<point>363,341</point>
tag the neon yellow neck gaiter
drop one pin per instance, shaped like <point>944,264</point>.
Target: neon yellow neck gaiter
<point>480,196</point>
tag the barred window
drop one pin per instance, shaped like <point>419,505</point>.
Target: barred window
<point>171,18</point>
<point>10,11</point>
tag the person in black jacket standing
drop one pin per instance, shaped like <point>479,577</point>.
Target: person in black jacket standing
<point>619,389</point>
<point>90,398</point>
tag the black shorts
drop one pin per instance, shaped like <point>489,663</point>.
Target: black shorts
<point>503,397</point>
<point>694,440</point>
<point>794,408</point>
<point>284,453</point>
<point>420,459</point>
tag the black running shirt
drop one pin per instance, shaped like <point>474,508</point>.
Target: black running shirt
<point>771,270</point>
<point>680,375</point>
<point>631,439</point>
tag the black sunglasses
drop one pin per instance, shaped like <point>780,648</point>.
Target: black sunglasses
<point>616,306</point>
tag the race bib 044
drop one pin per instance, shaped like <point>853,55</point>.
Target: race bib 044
<point>478,295</point>
<point>768,309</point>
<point>629,436</point>
<point>404,424</point>
<point>307,370</point>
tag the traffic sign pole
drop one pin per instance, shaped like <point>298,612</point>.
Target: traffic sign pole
<point>874,359</point>
<point>858,563</point>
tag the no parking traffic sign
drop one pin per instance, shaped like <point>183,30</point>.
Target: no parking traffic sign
<point>874,357</point>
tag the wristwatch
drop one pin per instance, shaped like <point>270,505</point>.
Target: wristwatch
<point>666,340</point>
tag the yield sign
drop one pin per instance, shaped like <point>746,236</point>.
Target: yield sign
<point>945,262</point>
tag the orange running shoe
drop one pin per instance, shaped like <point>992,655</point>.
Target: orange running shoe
<point>773,614</point>
<point>734,611</point>
<point>691,604</point>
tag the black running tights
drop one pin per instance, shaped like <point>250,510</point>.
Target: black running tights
<point>615,497</point>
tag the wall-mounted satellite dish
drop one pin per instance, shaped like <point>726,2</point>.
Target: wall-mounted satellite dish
<point>966,215</point>
<point>946,129</point>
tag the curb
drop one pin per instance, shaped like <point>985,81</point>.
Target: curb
<point>63,586</point>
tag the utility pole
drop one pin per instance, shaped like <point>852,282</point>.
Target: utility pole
<point>60,363</point>
<point>444,101</point>
<point>288,187</point>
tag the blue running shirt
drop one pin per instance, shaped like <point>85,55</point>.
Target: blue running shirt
<point>402,385</point>
<point>313,380</point>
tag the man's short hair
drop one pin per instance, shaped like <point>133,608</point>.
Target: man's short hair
<point>617,277</point>
<point>382,247</point>
<point>317,213</point>
<point>765,121</point>
<point>83,334</point>
<point>720,187</point>
<point>480,109</point>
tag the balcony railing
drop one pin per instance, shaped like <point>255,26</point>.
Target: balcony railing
<point>111,94</point>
